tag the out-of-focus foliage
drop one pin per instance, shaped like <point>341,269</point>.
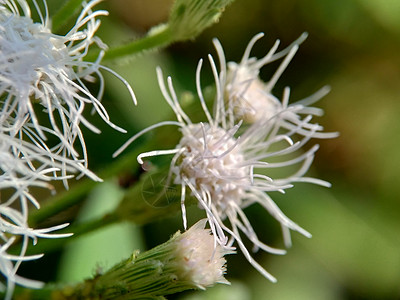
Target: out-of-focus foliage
<point>101,250</point>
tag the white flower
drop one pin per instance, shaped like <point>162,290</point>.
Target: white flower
<point>8,269</point>
<point>24,165</point>
<point>252,100</point>
<point>42,71</point>
<point>9,264</point>
<point>13,225</point>
<point>196,259</point>
<point>218,162</point>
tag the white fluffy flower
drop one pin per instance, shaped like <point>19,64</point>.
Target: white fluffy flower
<point>44,72</point>
<point>24,165</point>
<point>196,259</point>
<point>8,269</point>
<point>252,99</point>
<point>224,166</point>
<point>14,225</point>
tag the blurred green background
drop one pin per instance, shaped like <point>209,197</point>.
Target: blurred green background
<point>354,47</point>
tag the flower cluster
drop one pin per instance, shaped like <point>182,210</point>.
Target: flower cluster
<point>42,100</point>
<point>223,162</point>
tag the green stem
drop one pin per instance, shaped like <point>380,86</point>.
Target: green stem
<point>163,37</point>
<point>65,13</point>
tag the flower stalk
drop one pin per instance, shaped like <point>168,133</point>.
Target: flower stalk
<point>187,261</point>
<point>161,37</point>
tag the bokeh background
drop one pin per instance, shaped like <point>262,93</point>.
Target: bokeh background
<point>354,47</point>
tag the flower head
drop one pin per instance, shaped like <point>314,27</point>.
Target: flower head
<point>252,100</point>
<point>41,69</point>
<point>196,259</point>
<point>24,165</point>
<point>224,164</point>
